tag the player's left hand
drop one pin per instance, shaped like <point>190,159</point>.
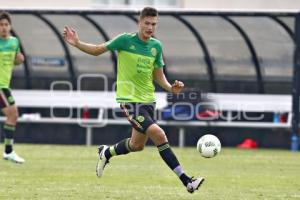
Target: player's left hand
<point>177,86</point>
<point>19,59</point>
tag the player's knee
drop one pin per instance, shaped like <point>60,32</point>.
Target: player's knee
<point>157,135</point>
<point>136,147</point>
<point>161,136</point>
<point>12,115</point>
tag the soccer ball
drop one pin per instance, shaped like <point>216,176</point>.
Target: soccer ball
<point>209,146</point>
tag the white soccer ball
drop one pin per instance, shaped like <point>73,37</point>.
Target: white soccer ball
<point>209,146</point>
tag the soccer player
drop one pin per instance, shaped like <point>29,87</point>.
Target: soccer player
<point>10,56</point>
<point>139,64</point>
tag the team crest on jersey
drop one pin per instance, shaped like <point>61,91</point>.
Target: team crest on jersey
<point>153,51</point>
<point>132,47</point>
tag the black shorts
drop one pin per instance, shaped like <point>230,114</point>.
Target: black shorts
<point>140,115</point>
<point>6,98</point>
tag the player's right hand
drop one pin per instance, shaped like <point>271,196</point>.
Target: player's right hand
<point>70,36</point>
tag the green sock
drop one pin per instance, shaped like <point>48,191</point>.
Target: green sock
<point>170,159</point>
<point>121,148</point>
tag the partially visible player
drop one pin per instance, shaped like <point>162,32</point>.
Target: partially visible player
<point>10,56</point>
<point>139,64</point>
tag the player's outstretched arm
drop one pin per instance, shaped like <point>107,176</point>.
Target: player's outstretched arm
<point>19,59</point>
<point>162,81</point>
<point>71,37</point>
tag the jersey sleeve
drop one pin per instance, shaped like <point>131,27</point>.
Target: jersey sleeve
<point>159,61</point>
<point>116,43</point>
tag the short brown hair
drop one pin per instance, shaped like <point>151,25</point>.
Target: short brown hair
<point>5,15</point>
<point>148,12</point>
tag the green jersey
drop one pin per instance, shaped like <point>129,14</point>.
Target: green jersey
<point>8,49</point>
<point>136,61</point>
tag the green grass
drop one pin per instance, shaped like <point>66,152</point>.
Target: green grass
<point>68,172</point>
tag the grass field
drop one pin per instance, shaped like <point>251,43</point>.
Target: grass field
<point>68,172</point>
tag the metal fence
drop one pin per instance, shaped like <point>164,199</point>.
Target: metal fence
<point>210,46</point>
